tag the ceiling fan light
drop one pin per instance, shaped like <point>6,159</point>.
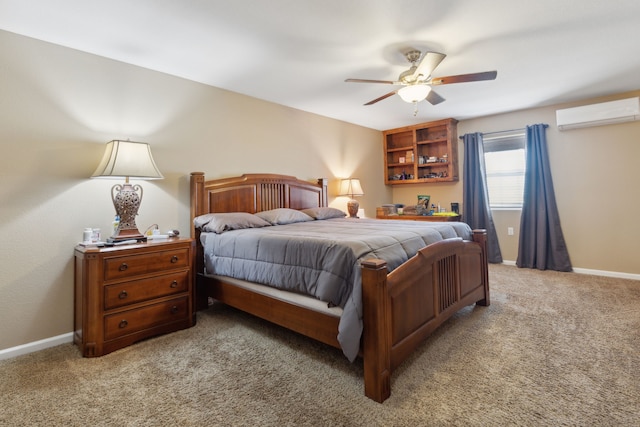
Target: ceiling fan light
<point>414,93</point>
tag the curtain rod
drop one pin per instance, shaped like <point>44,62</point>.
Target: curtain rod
<point>501,131</point>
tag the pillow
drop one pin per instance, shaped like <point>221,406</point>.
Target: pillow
<point>283,216</point>
<point>324,213</point>
<point>221,222</point>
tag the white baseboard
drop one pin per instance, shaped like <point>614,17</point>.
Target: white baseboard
<point>605,273</point>
<point>35,346</point>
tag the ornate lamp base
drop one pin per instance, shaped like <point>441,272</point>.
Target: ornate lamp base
<point>127,202</point>
<point>352,208</point>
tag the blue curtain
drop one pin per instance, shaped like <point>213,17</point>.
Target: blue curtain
<point>475,195</point>
<point>542,244</point>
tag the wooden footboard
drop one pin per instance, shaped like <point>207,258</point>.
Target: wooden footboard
<point>402,308</point>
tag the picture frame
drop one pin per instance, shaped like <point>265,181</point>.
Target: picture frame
<point>423,200</point>
<point>422,208</point>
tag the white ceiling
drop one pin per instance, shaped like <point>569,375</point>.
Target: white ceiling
<point>298,52</point>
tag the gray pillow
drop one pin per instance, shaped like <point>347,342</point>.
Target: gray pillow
<point>221,222</point>
<point>283,216</point>
<point>324,213</point>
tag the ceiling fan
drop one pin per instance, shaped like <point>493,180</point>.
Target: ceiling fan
<point>417,80</point>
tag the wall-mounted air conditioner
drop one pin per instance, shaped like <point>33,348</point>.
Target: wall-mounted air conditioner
<point>604,113</point>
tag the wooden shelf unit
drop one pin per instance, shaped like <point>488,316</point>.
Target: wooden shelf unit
<point>409,153</point>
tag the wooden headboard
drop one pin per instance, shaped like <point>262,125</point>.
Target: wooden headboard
<point>249,193</point>
<point>253,193</point>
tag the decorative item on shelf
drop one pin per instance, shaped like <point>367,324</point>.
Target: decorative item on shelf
<point>410,158</point>
<point>351,187</point>
<point>127,159</point>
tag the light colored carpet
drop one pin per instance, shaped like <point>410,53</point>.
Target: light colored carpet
<point>552,349</point>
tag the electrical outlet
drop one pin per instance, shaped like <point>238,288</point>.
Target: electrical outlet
<point>510,231</point>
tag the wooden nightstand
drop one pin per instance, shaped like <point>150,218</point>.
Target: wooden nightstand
<point>127,293</point>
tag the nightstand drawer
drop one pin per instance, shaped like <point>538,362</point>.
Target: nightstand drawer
<point>128,322</point>
<point>135,291</point>
<point>133,265</point>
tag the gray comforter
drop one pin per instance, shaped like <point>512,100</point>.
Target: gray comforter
<point>321,258</point>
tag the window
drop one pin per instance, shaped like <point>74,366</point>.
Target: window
<point>504,158</point>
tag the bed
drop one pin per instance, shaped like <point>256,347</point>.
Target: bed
<point>398,309</point>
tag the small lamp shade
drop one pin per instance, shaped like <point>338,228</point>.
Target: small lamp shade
<point>126,159</point>
<point>414,93</point>
<point>351,187</point>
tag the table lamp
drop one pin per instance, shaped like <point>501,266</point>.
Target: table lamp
<point>127,159</point>
<point>351,187</point>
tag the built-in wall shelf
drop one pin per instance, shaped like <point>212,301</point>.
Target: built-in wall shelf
<point>422,153</point>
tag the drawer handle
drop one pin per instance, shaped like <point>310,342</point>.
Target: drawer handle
<point>123,266</point>
<point>174,284</point>
<point>123,294</point>
<point>174,309</point>
<point>123,324</point>
<point>174,259</point>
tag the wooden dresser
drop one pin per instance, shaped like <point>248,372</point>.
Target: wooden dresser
<point>127,293</point>
<point>438,218</point>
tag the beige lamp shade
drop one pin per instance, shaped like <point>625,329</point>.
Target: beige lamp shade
<point>127,159</point>
<point>351,187</point>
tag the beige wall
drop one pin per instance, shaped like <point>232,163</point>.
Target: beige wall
<point>595,174</point>
<point>58,109</point>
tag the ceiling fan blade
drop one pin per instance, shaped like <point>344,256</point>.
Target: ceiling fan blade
<point>385,96</point>
<point>387,82</point>
<point>429,63</point>
<point>433,98</point>
<point>463,78</point>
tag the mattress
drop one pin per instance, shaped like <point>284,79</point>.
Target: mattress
<point>321,258</point>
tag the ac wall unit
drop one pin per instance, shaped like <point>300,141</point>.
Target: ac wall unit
<point>604,113</point>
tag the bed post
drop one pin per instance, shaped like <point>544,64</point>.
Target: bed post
<point>323,197</point>
<point>377,330</point>
<point>197,194</point>
<point>480,237</point>
<point>197,208</point>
